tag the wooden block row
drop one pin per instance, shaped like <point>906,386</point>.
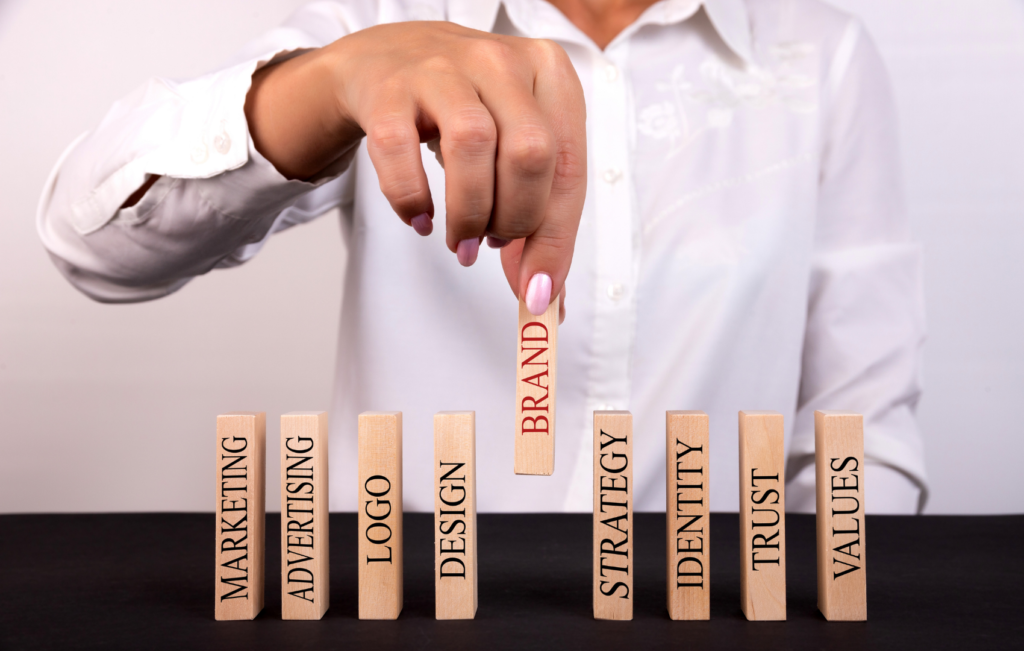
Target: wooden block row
<point>305,542</point>
<point>839,460</point>
<point>305,589</point>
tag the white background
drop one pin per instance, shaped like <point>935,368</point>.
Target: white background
<point>111,408</point>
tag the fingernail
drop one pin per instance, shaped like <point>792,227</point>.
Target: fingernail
<point>538,294</point>
<point>423,224</point>
<point>497,242</point>
<point>467,251</point>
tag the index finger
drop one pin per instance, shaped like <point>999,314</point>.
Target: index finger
<point>548,250</point>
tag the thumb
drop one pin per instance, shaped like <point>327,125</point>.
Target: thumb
<point>536,289</point>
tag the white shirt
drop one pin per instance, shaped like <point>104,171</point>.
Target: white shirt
<point>743,246</point>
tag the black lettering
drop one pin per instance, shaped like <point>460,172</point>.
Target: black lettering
<point>224,444</point>
<point>680,574</point>
<point>449,574</point>
<point>611,591</point>
<point>382,478</point>
<point>846,461</point>
<point>287,444</point>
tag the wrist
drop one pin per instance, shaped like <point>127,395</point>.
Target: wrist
<point>294,116</point>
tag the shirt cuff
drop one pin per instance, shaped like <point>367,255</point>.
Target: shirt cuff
<point>211,143</point>
<point>886,490</point>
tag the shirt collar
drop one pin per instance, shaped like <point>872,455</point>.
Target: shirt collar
<point>733,24</point>
<point>729,18</point>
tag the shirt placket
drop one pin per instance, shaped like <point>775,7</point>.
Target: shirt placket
<point>608,385</point>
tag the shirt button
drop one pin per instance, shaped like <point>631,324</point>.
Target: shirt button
<point>616,291</point>
<point>222,143</point>
<point>611,73</point>
<point>611,175</point>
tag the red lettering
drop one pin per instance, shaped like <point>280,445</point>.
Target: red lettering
<point>532,324</point>
<point>535,422</point>
<point>536,406</point>
<point>535,380</point>
<point>529,360</point>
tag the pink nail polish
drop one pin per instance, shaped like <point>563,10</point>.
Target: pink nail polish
<point>422,224</point>
<point>497,242</point>
<point>538,294</point>
<point>467,251</point>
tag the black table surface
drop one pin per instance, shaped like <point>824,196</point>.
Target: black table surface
<point>145,581</point>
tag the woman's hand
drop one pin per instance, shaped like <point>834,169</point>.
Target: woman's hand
<point>511,119</point>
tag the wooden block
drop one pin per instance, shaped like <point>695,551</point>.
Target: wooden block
<point>762,516</point>
<point>688,515</point>
<point>305,539</point>
<point>455,571</point>
<point>380,515</point>
<point>536,366</point>
<point>613,515</point>
<point>839,478</point>
<point>241,514</point>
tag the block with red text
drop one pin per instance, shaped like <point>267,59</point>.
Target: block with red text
<point>380,515</point>
<point>536,365</point>
<point>613,515</point>
<point>688,515</point>
<point>762,516</point>
<point>305,540</point>
<point>839,478</point>
<point>241,514</point>
<point>455,566</point>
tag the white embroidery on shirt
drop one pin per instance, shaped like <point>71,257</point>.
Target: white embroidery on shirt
<point>659,121</point>
<point>720,89</point>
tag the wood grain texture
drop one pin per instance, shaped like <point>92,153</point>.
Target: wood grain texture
<point>241,514</point>
<point>536,373</point>
<point>380,515</point>
<point>762,516</point>
<point>455,566</point>
<point>305,535</point>
<point>688,523</point>
<point>613,515</point>
<point>839,479</point>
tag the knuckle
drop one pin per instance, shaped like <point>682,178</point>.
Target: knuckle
<point>570,171</point>
<point>496,54</point>
<point>531,151</point>
<point>471,131</point>
<point>407,198</point>
<point>391,136</point>
<point>515,227</point>
<point>550,54</point>
<point>472,211</point>
<point>438,64</point>
<point>555,237</point>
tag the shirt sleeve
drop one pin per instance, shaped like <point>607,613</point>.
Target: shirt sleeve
<point>865,320</point>
<point>217,199</point>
